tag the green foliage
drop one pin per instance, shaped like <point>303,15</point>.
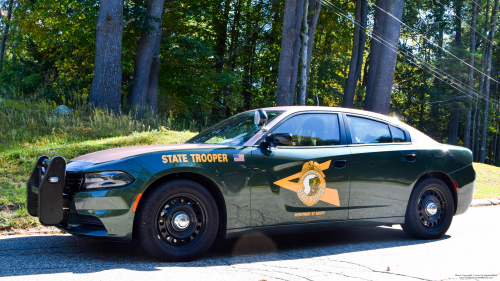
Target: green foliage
<point>221,57</point>
<point>53,47</point>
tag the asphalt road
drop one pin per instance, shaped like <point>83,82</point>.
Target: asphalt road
<point>471,248</point>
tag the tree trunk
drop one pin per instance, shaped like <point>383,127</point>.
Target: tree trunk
<point>386,67</point>
<point>454,122</point>
<point>248,74</point>
<point>476,133</point>
<point>441,24</point>
<point>152,92</point>
<point>290,49</point>
<point>301,97</point>
<point>3,44</point>
<point>375,47</point>
<point>313,70</point>
<point>358,48</point>
<point>105,91</point>
<point>497,160</point>
<point>467,142</point>
<point>477,114</point>
<point>491,38</point>
<point>220,28</point>
<point>146,50</point>
<point>315,9</point>
<point>493,148</point>
<point>455,111</point>
<point>235,33</point>
<point>350,85</point>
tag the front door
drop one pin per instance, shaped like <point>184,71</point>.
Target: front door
<point>307,181</point>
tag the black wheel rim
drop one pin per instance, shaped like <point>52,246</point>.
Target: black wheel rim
<point>171,221</point>
<point>431,208</point>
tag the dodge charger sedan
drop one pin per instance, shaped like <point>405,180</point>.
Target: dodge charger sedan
<point>275,170</point>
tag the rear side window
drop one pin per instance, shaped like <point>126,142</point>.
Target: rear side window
<point>312,129</point>
<point>398,135</point>
<point>365,131</point>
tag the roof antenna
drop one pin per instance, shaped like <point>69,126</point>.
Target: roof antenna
<point>316,99</point>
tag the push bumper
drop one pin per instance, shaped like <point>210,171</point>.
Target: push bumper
<point>53,195</point>
<point>45,190</point>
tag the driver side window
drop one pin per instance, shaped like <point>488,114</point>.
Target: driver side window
<point>312,129</point>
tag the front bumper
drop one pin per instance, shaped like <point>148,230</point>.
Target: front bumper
<point>103,214</point>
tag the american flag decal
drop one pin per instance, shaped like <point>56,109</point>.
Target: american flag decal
<point>239,158</point>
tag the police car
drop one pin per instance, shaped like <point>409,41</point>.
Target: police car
<point>277,170</point>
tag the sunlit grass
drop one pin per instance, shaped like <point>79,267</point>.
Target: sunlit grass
<point>31,128</point>
<point>487,181</point>
<point>17,163</point>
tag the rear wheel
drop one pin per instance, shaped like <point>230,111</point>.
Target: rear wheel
<point>178,221</point>
<point>430,210</point>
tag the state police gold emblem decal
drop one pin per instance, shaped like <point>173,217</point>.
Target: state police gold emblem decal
<point>311,187</point>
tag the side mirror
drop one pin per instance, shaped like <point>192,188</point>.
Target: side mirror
<point>275,139</point>
<point>260,118</point>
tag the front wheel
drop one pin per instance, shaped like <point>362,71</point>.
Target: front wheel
<point>430,210</point>
<point>178,221</point>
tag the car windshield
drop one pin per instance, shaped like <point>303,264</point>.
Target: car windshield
<point>233,131</point>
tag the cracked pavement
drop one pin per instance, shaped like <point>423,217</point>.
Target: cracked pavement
<point>470,249</point>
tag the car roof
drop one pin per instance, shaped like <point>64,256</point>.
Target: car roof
<point>416,135</point>
<point>327,108</point>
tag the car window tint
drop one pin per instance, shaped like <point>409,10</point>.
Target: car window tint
<point>398,135</point>
<point>312,129</point>
<point>368,131</point>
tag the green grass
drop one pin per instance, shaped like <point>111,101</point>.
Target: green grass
<point>30,128</point>
<point>487,181</point>
<point>17,163</point>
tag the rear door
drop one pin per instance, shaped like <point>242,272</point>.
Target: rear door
<point>384,164</point>
<point>307,181</point>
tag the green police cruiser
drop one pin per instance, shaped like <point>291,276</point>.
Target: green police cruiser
<point>272,170</point>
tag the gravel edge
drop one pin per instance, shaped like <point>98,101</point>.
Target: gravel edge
<point>484,202</point>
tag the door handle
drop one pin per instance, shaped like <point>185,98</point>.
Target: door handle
<point>411,157</point>
<point>339,164</point>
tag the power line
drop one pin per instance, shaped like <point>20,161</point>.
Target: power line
<point>430,41</point>
<point>439,74</point>
<point>468,24</point>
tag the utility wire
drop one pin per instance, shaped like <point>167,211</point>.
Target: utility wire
<point>430,41</point>
<point>410,57</point>
<point>439,74</point>
<point>463,21</point>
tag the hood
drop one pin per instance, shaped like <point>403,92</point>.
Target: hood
<point>125,152</point>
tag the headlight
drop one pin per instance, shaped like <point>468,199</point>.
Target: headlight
<point>107,179</point>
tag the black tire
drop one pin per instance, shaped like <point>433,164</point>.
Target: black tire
<point>166,240</point>
<point>421,222</point>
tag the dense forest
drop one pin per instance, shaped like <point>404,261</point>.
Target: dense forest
<point>431,63</point>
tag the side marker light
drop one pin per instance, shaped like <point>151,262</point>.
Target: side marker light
<point>456,186</point>
<point>136,203</point>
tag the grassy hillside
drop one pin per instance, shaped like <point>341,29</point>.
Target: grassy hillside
<point>32,127</point>
<point>487,181</point>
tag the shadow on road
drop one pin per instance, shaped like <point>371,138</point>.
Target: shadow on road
<point>29,255</point>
